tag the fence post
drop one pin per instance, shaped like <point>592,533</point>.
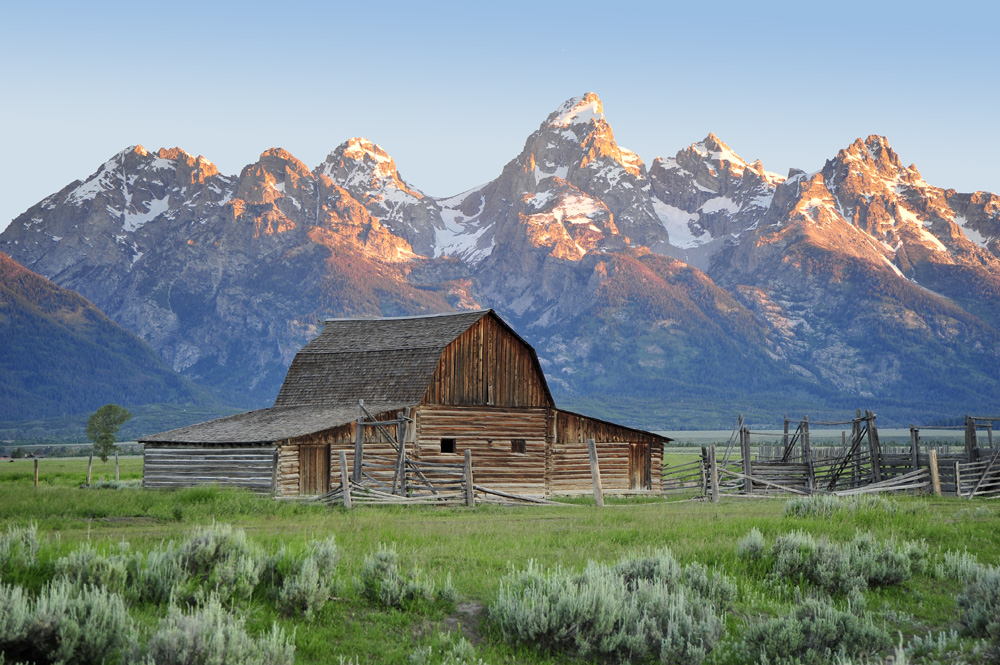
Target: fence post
<point>874,446</point>
<point>805,438</point>
<point>116,467</point>
<point>745,451</point>
<point>935,478</point>
<point>713,473</point>
<point>784,437</point>
<point>401,432</point>
<point>704,471</point>
<point>36,473</point>
<point>989,433</point>
<point>915,447</point>
<point>90,467</point>
<point>595,472</point>
<point>970,440</point>
<point>470,491</point>
<point>359,443</point>
<point>345,482</point>
<point>958,480</point>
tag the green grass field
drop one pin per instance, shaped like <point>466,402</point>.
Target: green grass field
<point>476,547</point>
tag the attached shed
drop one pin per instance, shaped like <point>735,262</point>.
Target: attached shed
<point>467,382</point>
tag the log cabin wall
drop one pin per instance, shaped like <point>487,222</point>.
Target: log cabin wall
<point>169,466</point>
<point>330,442</point>
<point>488,365</point>
<point>616,445</point>
<point>492,434</point>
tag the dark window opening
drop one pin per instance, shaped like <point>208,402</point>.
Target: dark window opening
<point>517,446</point>
<point>447,445</point>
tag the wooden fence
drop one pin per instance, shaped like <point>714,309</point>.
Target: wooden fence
<point>859,465</point>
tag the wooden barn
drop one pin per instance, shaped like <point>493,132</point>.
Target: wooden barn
<point>443,384</point>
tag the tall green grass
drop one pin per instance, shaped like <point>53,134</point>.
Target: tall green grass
<point>478,548</point>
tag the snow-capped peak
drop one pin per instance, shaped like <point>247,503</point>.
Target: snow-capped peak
<point>714,149</point>
<point>577,111</point>
<point>358,148</point>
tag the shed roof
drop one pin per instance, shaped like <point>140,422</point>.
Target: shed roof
<point>268,425</point>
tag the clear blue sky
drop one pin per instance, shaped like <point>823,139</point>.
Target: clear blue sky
<point>451,90</point>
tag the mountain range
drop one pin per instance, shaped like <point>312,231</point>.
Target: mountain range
<point>670,295</point>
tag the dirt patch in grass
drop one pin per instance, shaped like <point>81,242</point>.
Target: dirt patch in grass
<point>468,618</point>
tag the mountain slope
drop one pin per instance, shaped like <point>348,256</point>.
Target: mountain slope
<point>59,355</point>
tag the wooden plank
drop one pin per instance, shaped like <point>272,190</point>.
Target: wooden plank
<point>470,497</point>
<point>935,478</point>
<point>595,473</point>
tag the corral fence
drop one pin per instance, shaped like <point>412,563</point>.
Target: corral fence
<point>860,464</point>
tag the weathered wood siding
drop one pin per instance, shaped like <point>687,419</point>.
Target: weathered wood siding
<point>487,365</point>
<point>621,453</point>
<point>179,465</point>
<point>327,443</point>
<point>488,433</point>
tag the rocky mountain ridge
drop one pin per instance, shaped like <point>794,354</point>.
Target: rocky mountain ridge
<point>857,281</point>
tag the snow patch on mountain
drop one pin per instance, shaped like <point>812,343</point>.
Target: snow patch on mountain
<point>971,233</point>
<point>678,223</point>
<point>719,204</point>
<point>558,172</point>
<point>155,208</point>
<point>102,181</point>
<point>910,217</point>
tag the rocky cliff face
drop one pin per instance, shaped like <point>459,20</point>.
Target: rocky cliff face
<point>859,281</point>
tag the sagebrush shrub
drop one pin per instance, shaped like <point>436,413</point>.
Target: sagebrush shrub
<point>847,568</point>
<point>210,635</point>
<point>326,555</point>
<point>305,592</point>
<point>815,633</point>
<point>751,546</point>
<point>643,608</point>
<point>449,652</point>
<point>979,600</point>
<point>87,566</point>
<point>64,624</point>
<point>220,559</point>
<point>383,582</point>
<point>155,576</point>
<point>827,505</point>
<point>18,549</point>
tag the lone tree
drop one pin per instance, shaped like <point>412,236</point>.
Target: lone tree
<point>103,426</point>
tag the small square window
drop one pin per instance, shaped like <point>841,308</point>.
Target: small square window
<point>447,445</point>
<point>517,446</point>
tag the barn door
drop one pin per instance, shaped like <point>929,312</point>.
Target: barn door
<point>314,469</point>
<point>638,466</point>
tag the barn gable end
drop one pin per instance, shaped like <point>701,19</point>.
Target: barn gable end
<point>488,365</point>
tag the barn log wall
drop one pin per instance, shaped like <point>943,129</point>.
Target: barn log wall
<point>571,464</point>
<point>488,365</point>
<point>488,433</point>
<point>167,466</point>
<point>334,440</point>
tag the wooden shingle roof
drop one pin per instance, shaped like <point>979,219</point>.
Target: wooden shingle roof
<point>267,425</point>
<point>377,360</point>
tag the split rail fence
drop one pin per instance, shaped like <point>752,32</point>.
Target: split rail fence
<point>403,480</point>
<point>859,465</point>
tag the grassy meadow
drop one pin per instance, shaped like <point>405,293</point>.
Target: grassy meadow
<point>473,550</point>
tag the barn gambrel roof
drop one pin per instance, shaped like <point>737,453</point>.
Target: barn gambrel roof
<point>386,362</point>
<point>377,360</point>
